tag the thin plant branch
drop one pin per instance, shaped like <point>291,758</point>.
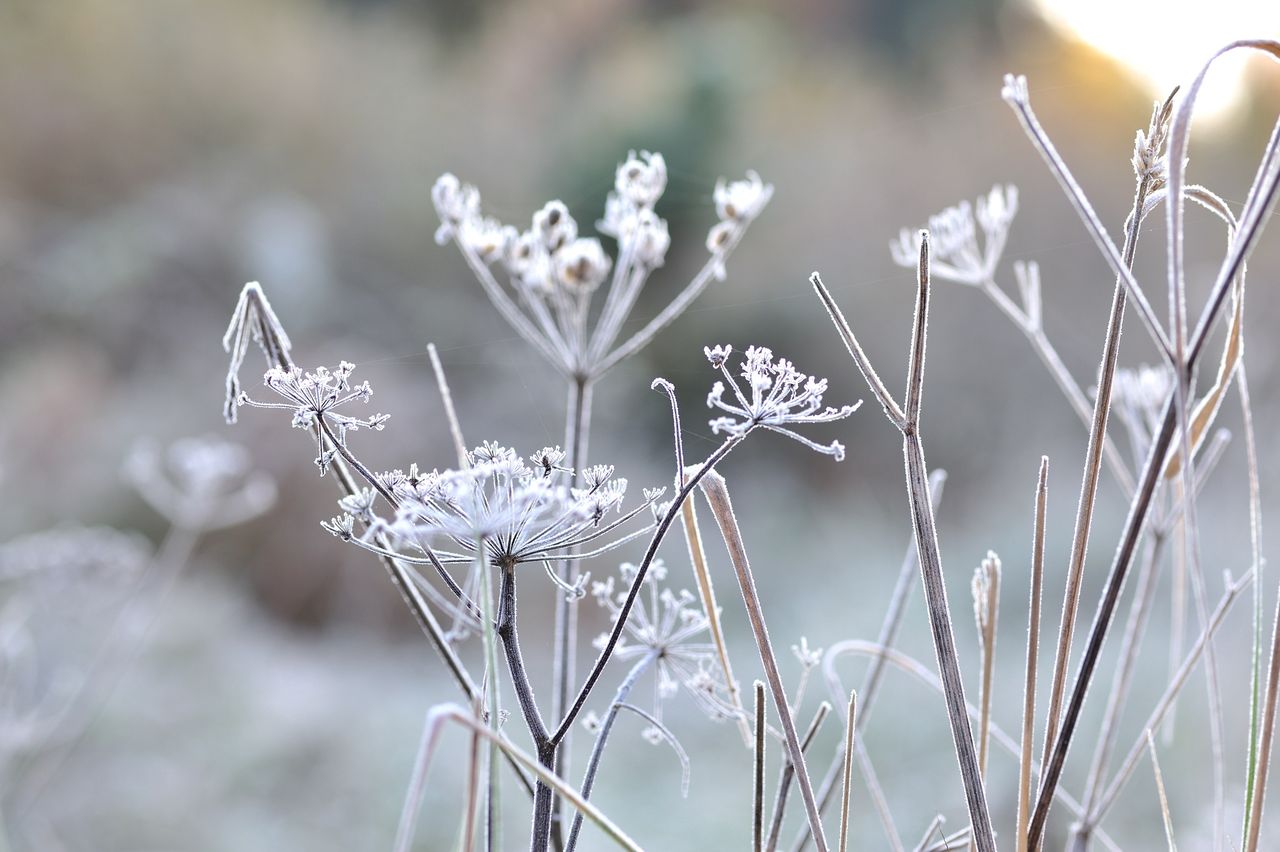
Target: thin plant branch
<point>757,785</point>
<point>1164,800</point>
<point>846,792</point>
<point>888,635</point>
<point>1033,650</point>
<point>787,775</point>
<point>717,494</point>
<point>907,421</point>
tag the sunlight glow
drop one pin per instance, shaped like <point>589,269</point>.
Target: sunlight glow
<point>1163,44</point>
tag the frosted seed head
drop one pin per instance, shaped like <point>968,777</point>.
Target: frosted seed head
<point>642,179</point>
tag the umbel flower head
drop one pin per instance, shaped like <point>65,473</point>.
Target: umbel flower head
<point>314,399</point>
<point>955,254</point>
<point>666,626</point>
<point>200,483</point>
<point>522,511</point>
<point>554,269</point>
<point>778,396</point>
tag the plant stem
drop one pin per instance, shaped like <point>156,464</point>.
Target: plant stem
<point>722,509</point>
<point>1033,651</point>
<point>602,738</point>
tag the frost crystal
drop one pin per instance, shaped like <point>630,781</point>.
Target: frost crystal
<point>779,396</point>
<point>313,398</point>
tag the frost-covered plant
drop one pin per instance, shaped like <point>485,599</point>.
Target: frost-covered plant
<point>76,601</point>
<point>495,511</point>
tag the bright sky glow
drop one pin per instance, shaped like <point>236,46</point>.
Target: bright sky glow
<point>1163,44</point>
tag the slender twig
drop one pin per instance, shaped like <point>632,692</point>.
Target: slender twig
<point>908,421</point>
<point>888,635</point>
<point>717,494</point>
<point>934,827</point>
<point>757,785</point>
<point>1255,541</point>
<point>1015,94</point>
<point>1097,439</point>
<point>565,635</point>
<point>1164,800</point>
<point>788,773</point>
<point>851,718</point>
<point>1107,799</point>
<point>707,597</point>
<point>602,739</point>
<point>925,675</point>
<point>1135,627</point>
<point>451,415</point>
<point>1033,650</point>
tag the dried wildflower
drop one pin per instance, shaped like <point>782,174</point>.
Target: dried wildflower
<point>737,204</point>
<point>664,627</point>
<point>456,203</point>
<point>955,254</point>
<point>554,226</point>
<point>742,200</point>
<point>641,180</point>
<point>582,265</point>
<point>253,321</point>
<point>779,396</point>
<point>314,397</point>
<point>554,271</point>
<point>200,483</point>
<point>523,513</point>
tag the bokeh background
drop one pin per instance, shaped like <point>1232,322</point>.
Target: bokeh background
<point>156,154</point>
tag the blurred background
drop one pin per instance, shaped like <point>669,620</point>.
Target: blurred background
<point>157,154</point>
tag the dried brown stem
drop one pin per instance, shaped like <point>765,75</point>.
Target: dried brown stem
<point>717,494</point>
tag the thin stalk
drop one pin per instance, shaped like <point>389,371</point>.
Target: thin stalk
<point>717,495</point>
<point>451,415</point>
<point>788,774</point>
<point>1255,540</point>
<point>1033,650</point>
<point>757,783</point>
<point>1164,800</point>
<point>887,637</point>
<point>925,675</point>
<point>1093,466</point>
<point>707,597</point>
<point>851,718</point>
<point>577,434</point>
<point>602,739</point>
<point>1135,627</point>
<point>926,538</point>
<point>492,701</point>
<point>1107,799</point>
<point>987,609</point>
